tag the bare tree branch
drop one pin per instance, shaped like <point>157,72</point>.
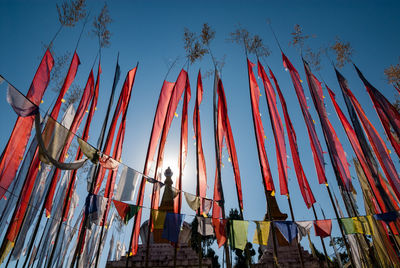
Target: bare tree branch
<point>70,12</point>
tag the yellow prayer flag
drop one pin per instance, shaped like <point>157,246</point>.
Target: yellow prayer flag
<point>158,218</point>
<point>363,225</point>
<point>8,247</point>
<point>262,232</point>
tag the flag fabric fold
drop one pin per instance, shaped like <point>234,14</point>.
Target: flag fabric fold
<point>303,228</point>
<point>314,141</point>
<point>205,227</point>
<point>323,228</point>
<point>14,151</point>
<point>261,234</point>
<point>260,134</point>
<point>277,127</point>
<point>20,104</point>
<point>127,184</point>
<point>238,234</point>
<point>125,211</point>
<point>335,149</point>
<point>288,229</point>
<point>201,189</point>
<point>172,226</point>
<point>220,230</point>
<point>305,189</point>
<point>193,201</point>
<point>388,114</point>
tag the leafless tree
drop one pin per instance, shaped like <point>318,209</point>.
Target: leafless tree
<point>70,12</point>
<point>343,51</point>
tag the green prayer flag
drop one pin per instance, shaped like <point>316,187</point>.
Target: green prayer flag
<point>132,211</point>
<point>349,227</point>
<point>238,234</point>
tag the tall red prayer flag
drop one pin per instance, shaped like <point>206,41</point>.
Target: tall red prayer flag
<point>15,148</point>
<point>315,144</point>
<point>201,189</point>
<point>379,147</point>
<point>183,147</point>
<point>230,143</point>
<point>179,88</point>
<point>259,131</point>
<point>73,68</point>
<point>335,148</point>
<point>158,123</point>
<point>277,128</point>
<point>388,114</point>
<point>305,189</point>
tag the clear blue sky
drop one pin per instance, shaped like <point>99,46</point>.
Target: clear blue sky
<point>151,32</point>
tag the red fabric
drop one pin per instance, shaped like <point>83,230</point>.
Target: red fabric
<point>15,148</point>
<point>73,68</point>
<point>122,208</point>
<point>177,92</point>
<point>379,147</point>
<point>85,136</point>
<point>315,144</point>
<point>230,143</point>
<point>201,162</point>
<point>336,151</point>
<point>164,99</point>
<point>388,114</point>
<point>122,105</point>
<point>19,212</point>
<point>217,209</point>
<point>220,230</point>
<point>183,147</point>
<point>305,189</point>
<point>259,129</point>
<point>80,112</point>
<point>277,128</point>
<point>125,95</point>
<point>323,228</point>
<point>168,101</point>
<point>357,149</point>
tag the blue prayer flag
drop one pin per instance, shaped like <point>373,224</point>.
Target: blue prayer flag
<point>287,228</point>
<point>172,226</point>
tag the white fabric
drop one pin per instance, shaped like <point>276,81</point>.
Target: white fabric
<point>88,150</point>
<point>107,162</point>
<point>127,184</point>
<point>65,166</point>
<point>204,226</point>
<point>193,201</point>
<point>304,228</point>
<point>185,233</point>
<point>207,204</point>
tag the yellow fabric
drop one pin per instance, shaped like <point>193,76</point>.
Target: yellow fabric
<point>158,219</point>
<point>262,232</point>
<point>383,250</point>
<point>7,250</point>
<point>362,225</point>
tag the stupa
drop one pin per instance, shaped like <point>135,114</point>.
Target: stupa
<point>161,251</point>
<point>287,253</point>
